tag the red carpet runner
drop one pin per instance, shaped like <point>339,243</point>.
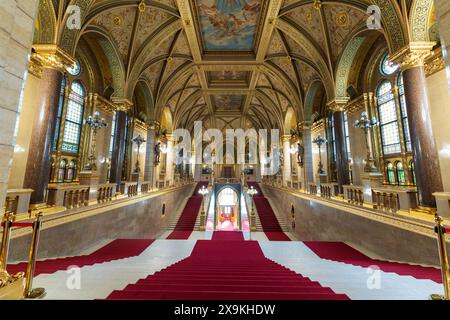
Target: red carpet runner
<point>186,223</point>
<point>341,252</point>
<point>226,270</point>
<point>115,250</point>
<point>267,217</point>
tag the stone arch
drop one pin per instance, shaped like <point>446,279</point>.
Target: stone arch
<point>290,120</point>
<point>45,23</point>
<point>144,98</point>
<point>166,120</point>
<point>315,89</point>
<point>419,19</point>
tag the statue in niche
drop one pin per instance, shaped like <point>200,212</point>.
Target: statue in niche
<point>157,152</point>
<point>300,154</point>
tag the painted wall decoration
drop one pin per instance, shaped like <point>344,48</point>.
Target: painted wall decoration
<point>229,24</point>
<point>224,102</point>
<point>228,75</point>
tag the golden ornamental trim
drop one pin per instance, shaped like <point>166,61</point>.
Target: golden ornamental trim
<point>122,104</point>
<point>338,104</point>
<point>101,103</point>
<point>434,63</point>
<point>141,125</point>
<point>51,56</point>
<point>318,126</point>
<point>413,55</point>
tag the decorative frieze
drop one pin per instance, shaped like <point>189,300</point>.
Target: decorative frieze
<point>338,104</point>
<point>318,126</point>
<point>434,63</point>
<point>122,104</point>
<point>101,104</point>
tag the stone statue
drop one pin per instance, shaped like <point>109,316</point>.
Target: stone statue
<point>157,152</point>
<point>300,154</point>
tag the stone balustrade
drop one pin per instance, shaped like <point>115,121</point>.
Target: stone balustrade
<point>394,199</point>
<point>17,200</point>
<point>354,194</point>
<point>328,190</point>
<point>106,192</point>
<point>313,188</point>
<point>443,203</point>
<point>146,186</point>
<point>71,196</point>
<point>130,188</point>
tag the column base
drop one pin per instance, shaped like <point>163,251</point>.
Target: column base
<point>371,180</point>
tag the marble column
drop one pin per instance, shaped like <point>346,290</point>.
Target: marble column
<point>425,151</point>
<point>118,152</point>
<point>37,172</point>
<point>150,154</point>
<point>343,173</point>
<point>170,160</point>
<point>286,159</point>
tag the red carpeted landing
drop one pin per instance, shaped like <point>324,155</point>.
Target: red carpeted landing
<point>269,221</point>
<point>228,236</point>
<point>222,269</point>
<point>341,252</point>
<point>117,249</point>
<point>186,223</point>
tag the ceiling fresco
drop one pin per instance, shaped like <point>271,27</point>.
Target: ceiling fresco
<point>225,102</point>
<point>228,75</point>
<point>228,25</point>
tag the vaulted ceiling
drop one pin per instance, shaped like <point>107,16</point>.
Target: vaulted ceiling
<point>229,63</point>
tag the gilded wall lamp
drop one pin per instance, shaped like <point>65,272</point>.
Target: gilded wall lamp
<point>95,123</point>
<point>367,124</point>
<point>139,141</point>
<point>319,141</point>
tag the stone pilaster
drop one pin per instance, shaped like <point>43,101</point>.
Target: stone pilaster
<point>149,168</point>
<point>170,160</point>
<point>286,159</point>
<point>308,166</point>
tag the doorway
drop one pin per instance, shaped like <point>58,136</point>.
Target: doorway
<point>227,210</point>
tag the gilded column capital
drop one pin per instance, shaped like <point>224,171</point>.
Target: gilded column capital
<point>286,138</point>
<point>305,125</point>
<point>413,55</point>
<point>101,104</point>
<point>152,125</point>
<point>122,104</point>
<point>338,104</point>
<point>49,56</point>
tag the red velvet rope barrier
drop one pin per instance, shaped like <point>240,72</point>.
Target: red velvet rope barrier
<point>20,224</point>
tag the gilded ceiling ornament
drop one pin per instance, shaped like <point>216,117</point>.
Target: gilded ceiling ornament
<point>308,17</point>
<point>317,4</point>
<point>342,19</point>
<point>142,6</point>
<point>117,21</point>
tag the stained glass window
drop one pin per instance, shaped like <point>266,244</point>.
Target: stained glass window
<point>401,94</point>
<point>70,171</point>
<point>413,171</point>
<point>75,70</point>
<point>62,170</point>
<point>390,136</point>
<point>390,173</point>
<point>74,118</point>
<point>386,67</point>
<point>59,114</point>
<point>400,173</point>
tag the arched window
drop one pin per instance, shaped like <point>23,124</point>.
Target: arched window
<point>390,137</point>
<point>74,118</point>
<point>59,114</point>
<point>400,173</point>
<point>70,171</point>
<point>390,172</point>
<point>62,170</point>
<point>413,171</point>
<point>404,114</point>
<point>386,67</point>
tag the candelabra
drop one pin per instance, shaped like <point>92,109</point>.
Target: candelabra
<point>203,191</point>
<point>366,124</point>
<point>252,192</point>
<point>138,140</point>
<point>95,123</point>
<point>319,141</point>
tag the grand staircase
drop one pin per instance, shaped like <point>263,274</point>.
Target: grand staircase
<point>226,268</point>
<point>267,218</point>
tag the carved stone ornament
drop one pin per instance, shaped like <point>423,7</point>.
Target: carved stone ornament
<point>50,56</point>
<point>413,55</point>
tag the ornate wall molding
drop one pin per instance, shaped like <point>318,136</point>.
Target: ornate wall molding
<point>413,55</point>
<point>434,63</point>
<point>50,56</point>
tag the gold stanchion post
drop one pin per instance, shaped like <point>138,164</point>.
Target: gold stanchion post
<point>29,292</point>
<point>440,230</point>
<point>7,222</point>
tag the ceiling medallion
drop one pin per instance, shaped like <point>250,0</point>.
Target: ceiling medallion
<point>309,17</point>
<point>342,19</point>
<point>142,6</point>
<point>317,4</point>
<point>117,21</point>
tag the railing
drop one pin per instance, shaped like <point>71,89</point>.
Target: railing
<point>106,192</point>
<point>394,199</point>
<point>146,186</point>
<point>17,200</point>
<point>354,194</point>
<point>19,285</point>
<point>70,197</point>
<point>313,188</point>
<point>129,189</point>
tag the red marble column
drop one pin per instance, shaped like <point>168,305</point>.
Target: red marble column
<point>118,152</point>
<point>428,173</point>
<point>343,173</point>
<point>37,173</point>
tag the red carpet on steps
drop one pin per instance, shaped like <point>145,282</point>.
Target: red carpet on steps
<point>269,221</point>
<point>186,222</point>
<point>341,252</point>
<point>226,270</point>
<point>117,249</point>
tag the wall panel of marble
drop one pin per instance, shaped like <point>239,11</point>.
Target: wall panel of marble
<point>138,220</point>
<point>315,153</point>
<point>358,148</point>
<point>439,98</point>
<point>142,151</point>
<point>319,222</point>
<point>17,19</point>
<point>443,12</point>
<point>102,146</point>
